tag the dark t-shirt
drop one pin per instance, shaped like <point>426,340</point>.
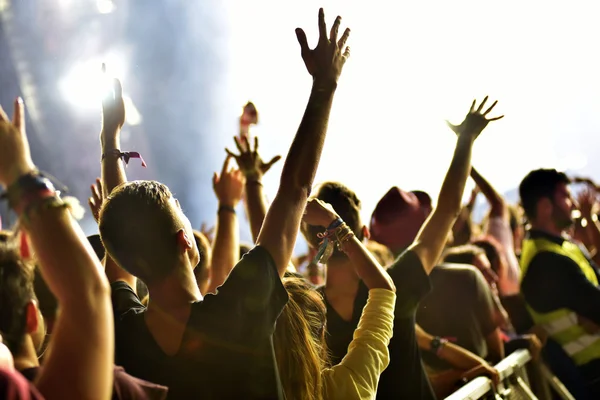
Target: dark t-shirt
<point>125,386</point>
<point>226,350</point>
<point>405,377</point>
<point>461,307</point>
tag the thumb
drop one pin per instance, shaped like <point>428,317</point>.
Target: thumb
<point>302,40</point>
<point>215,179</point>
<point>272,162</point>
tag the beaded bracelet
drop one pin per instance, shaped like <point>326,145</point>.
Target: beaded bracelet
<point>336,234</point>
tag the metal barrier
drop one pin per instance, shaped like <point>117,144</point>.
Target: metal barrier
<point>511,369</point>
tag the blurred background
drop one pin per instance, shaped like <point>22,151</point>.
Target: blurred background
<point>188,67</point>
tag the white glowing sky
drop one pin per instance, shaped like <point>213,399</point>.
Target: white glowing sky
<point>415,64</point>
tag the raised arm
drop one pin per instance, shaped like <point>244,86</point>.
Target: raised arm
<point>229,187</point>
<point>498,206</point>
<point>80,363</point>
<point>324,63</point>
<point>366,266</point>
<point>113,164</point>
<point>253,168</point>
<point>432,237</point>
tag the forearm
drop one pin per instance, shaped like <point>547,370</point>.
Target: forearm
<point>68,263</point>
<point>497,203</point>
<point>113,168</point>
<point>280,227</point>
<point>432,238</point>
<point>256,206</point>
<point>226,249</point>
<point>305,152</point>
<point>453,187</point>
<point>367,268</point>
<point>456,356</point>
<point>74,275</point>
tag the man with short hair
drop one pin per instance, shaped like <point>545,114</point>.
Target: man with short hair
<point>559,283</point>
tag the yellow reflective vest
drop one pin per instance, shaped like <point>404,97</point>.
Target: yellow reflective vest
<point>562,324</point>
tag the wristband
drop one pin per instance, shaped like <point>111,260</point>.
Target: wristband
<point>226,208</point>
<point>125,156</point>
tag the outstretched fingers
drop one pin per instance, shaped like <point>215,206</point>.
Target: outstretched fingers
<point>322,26</point>
<point>496,118</point>
<point>482,104</point>
<point>491,108</point>
<point>334,29</point>
<point>344,38</point>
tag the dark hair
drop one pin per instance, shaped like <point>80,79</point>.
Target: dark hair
<point>464,254</point>
<point>539,184</point>
<point>138,226</point>
<point>345,202</point>
<point>16,290</point>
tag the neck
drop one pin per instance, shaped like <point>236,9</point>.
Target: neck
<point>27,357</point>
<point>548,227</point>
<point>173,292</point>
<point>341,276</point>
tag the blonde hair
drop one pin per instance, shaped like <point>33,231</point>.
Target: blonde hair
<point>300,341</point>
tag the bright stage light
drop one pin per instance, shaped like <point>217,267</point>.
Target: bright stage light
<point>86,85</point>
<point>105,6</point>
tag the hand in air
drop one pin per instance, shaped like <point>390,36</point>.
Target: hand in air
<point>319,213</point>
<point>95,201</point>
<point>475,121</point>
<point>586,200</point>
<point>15,157</point>
<point>229,186</point>
<point>249,161</point>
<point>113,109</point>
<point>325,62</point>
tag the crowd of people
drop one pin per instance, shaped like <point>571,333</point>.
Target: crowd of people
<point>411,304</point>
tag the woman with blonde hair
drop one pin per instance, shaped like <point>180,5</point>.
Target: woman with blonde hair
<point>300,333</point>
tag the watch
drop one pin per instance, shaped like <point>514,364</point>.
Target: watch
<point>437,344</point>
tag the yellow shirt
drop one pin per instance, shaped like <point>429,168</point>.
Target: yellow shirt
<point>357,375</point>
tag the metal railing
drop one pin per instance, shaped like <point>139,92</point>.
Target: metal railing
<point>512,375</point>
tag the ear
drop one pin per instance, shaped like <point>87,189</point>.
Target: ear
<point>544,207</point>
<point>183,241</point>
<point>32,314</point>
<point>366,233</point>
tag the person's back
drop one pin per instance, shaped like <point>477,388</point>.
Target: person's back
<point>223,340</point>
<point>459,307</point>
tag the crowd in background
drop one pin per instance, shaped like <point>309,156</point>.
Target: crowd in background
<point>411,304</point>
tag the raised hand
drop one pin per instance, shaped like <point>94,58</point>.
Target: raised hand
<point>249,161</point>
<point>229,186</point>
<point>15,156</point>
<point>319,213</point>
<point>475,121</point>
<point>325,62</point>
<point>95,201</point>
<point>113,109</point>
<point>586,199</point>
